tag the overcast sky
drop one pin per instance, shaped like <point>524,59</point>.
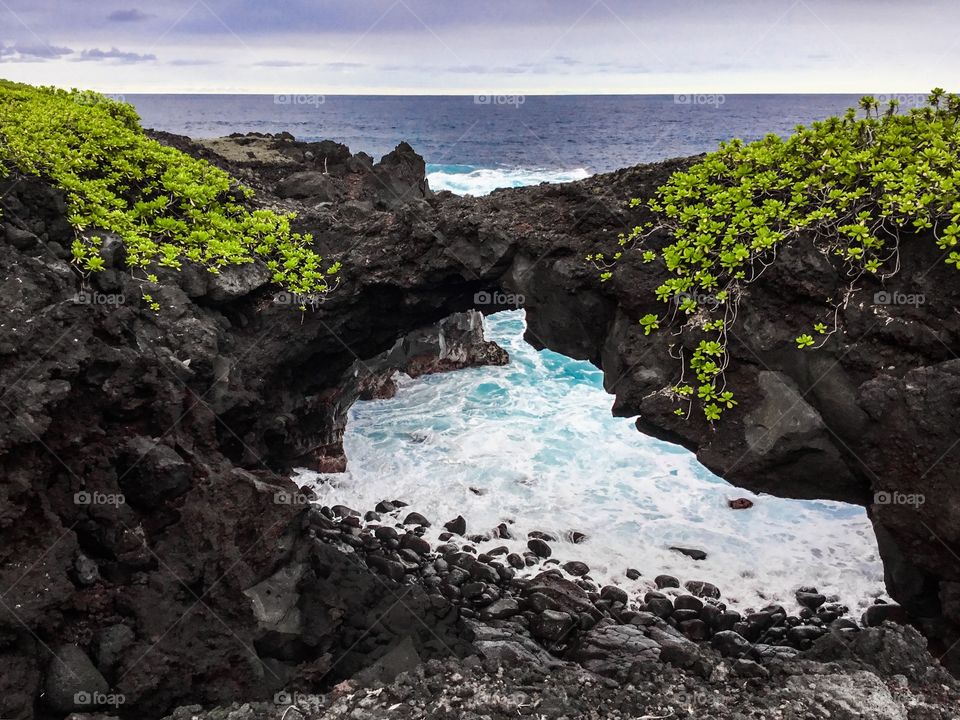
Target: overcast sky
<point>483,46</point>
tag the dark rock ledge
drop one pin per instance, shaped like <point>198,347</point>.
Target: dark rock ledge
<point>212,582</point>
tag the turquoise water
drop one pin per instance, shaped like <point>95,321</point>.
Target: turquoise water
<point>534,444</point>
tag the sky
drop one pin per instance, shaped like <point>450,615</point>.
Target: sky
<point>490,47</point>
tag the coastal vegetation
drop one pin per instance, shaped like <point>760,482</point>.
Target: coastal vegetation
<point>855,187</point>
<point>166,207</point>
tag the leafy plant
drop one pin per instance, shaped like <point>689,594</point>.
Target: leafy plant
<point>854,187</point>
<point>166,207</point>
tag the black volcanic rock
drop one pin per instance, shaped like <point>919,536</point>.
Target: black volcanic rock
<point>236,388</point>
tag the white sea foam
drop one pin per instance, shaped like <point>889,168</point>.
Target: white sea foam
<point>533,444</point>
<point>468,180</point>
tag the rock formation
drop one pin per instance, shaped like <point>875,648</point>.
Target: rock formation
<point>195,414</point>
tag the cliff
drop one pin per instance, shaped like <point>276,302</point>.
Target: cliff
<point>195,413</point>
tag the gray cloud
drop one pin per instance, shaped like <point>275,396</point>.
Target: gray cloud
<point>32,52</point>
<point>530,46</point>
<point>119,56</point>
<point>190,62</point>
<point>131,15</point>
<point>280,64</point>
<point>338,66</point>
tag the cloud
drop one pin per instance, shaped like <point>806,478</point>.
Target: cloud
<point>338,66</point>
<point>132,15</point>
<point>97,55</point>
<point>280,63</point>
<point>32,53</point>
<point>42,51</point>
<point>190,62</point>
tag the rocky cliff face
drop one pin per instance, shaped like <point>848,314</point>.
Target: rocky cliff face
<point>194,415</point>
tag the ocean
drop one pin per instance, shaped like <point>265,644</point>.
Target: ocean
<point>473,144</point>
<point>534,443</point>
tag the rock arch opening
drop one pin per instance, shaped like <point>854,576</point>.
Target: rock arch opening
<point>529,450</point>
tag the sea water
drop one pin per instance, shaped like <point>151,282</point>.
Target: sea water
<point>533,444</point>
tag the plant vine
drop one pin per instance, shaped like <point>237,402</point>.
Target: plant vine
<point>165,206</point>
<point>853,186</point>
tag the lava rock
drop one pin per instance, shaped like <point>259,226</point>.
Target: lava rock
<point>690,552</point>
<point>688,602</point>
<point>803,636</point>
<point>614,594</point>
<point>458,526</point>
<point>576,568</point>
<point>516,561</point>
<point>876,615</point>
<point>695,629</point>
<point>384,533</point>
<point>749,669</point>
<point>552,625</point>
<point>72,683</point>
<point>660,606</point>
<point>702,589</point>
<point>666,581</point>
<point>391,568</point>
<point>416,518</point>
<point>501,609</point>
<point>539,547</point>
<point>809,598</point>
<point>730,644</point>
<point>415,543</point>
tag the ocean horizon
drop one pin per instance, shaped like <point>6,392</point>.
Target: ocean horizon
<point>473,144</point>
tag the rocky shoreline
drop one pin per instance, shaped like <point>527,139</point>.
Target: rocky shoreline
<point>553,644</point>
<point>145,553</point>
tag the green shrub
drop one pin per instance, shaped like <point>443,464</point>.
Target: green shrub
<point>854,187</point>
<point>167,207</point>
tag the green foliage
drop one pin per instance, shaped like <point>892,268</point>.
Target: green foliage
<point>165,206</point>
<point>849,185</point>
